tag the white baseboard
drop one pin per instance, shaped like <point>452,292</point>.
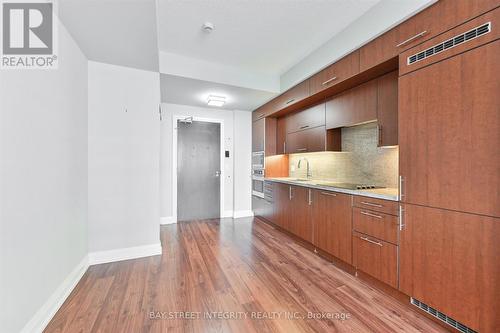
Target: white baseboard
<point>167,220</point>
<point>242,213</point>
<point>227,213</point>
<point>102,257</point>
<point>45,314</point>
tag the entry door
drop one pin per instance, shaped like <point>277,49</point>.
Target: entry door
<point>198,170</point>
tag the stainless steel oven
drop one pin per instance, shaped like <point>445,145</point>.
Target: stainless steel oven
<point>258,160</point>
<point>258,182</point>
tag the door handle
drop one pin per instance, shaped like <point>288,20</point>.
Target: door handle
<point>217,173</point>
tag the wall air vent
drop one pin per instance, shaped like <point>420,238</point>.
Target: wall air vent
<point>448,44</point>
<point>441,316</point>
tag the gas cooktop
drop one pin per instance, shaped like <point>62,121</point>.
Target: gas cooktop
<point>349,186</point>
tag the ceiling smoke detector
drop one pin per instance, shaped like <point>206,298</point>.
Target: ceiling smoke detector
<point>208,27</point>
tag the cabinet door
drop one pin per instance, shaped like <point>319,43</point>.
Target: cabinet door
<point>292,96</point>
<point>299,213</point>
<point>308,118</point>
<point>258,134</point>
<point>450,261</point>
<point>378,50</point>
<point>352,107</point>
<point>281,136</point>
<point>335,73</point>
<point>449,133</point>
<point>332,216</point>
<point>282,205</point>
<point>309,140</point>
<point>387,109</point>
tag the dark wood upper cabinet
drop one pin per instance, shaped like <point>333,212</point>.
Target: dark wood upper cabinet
<point>264,136</point>
<point>281,136</point>
<point>332,215</point>
<point>306,141</point>
<point>308,118</point>
<point>449,133</point>
<point>292,96</point>
<point>258,134</point>
<point>387,109</point>
<point>493,17</point>
<point>450,261</point>
<point>438,18</point>
<point>335,73</point>
<point>355,106</point>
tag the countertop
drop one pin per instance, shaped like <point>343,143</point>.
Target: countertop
<point>388,193</point>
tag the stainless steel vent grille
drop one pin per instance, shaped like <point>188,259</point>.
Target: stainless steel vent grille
<point>448,44</point>
<point>441,316</point>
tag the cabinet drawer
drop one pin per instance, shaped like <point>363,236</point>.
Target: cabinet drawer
<point>379,205</point>
<point>452,42</point>
<point>308,118</point>
<point>335,73</point>
<point>376,258</point>
<point>375,224</point>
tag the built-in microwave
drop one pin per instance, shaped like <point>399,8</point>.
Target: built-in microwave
<point>258,182</point>
<point>258,160</point>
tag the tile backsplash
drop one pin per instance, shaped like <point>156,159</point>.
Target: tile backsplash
<point>360,161</point>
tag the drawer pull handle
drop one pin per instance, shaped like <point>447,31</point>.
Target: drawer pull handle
<point>330,194</point>
<point>370,241</point>
<point>301,149</point>
<point>305,126</point>
<point>372,215</point>
<point>420,34</point>
<point>371,204</point>
<point>329,80</point>
<point>290,101</point>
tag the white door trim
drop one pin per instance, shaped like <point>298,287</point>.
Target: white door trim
<point>175,118</point>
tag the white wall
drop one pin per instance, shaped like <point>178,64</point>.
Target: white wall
<point>123,157</point>
<point>380,18</point>
<point>242,163</point>
<point>43,182</point>
<point>238,145</point>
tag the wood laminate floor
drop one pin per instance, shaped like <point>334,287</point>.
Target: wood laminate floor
<point>243,269</point>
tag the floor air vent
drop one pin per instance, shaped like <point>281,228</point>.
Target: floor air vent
<point>448,44</point>
<point>441,316</point>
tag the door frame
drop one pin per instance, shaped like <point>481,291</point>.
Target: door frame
<point>175,118</point>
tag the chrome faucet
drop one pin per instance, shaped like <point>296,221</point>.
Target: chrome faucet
<point>308,171</point>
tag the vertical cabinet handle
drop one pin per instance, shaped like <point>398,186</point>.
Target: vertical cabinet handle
<point>284,147</point>
<point>400,189</point>
<point>379,135</point>
<point>289,192</point>
<point>400,218</point>
<point>310,198</point>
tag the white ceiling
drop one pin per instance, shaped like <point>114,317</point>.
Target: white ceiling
<point>260,35</point>
<point>120,32</point>
<point>181,90</point>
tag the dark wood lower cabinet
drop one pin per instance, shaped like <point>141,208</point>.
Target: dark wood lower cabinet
<point>376,258</point>
<point>451,261</point>
<point>332,215</point>
<point>300,223</point>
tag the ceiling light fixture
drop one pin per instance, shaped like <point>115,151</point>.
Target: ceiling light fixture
<point>214,100</point>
